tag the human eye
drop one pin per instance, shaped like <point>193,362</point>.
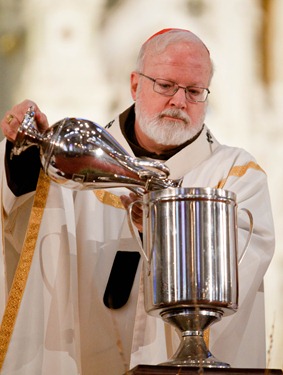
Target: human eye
<point>194,91</point>
<point>164,85</point>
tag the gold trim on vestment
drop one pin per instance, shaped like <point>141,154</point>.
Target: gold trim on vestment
<point>239,171</point>
<point>24,265</point>
<point>206,333</point>
<point>108,198</point>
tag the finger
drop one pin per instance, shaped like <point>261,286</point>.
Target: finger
<point>10,125</point>
<point>40,118</point>
<point>19,110</point>
<point>137,222</point>
<point>136,213</point>
<point>127,200</point>
<point>9,118</point>
<point>134,196</point>
<point>14,117</point>
<point>41,121</point>
<point>137,210</point>
<point>136,218</point>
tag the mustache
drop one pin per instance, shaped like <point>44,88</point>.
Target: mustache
<point>175,113</point>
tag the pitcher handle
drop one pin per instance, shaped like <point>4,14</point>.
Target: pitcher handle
<point>131,226</point>
<point>250,233</point>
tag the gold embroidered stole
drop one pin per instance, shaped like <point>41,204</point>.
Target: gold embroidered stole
<point>24,265</point>
<point>239,171</point>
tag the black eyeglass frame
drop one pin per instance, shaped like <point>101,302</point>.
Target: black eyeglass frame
<point>178,87</point>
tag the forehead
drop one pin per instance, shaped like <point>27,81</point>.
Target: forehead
<point>179,60</point>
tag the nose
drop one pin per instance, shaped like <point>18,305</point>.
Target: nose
<point>179,100</point>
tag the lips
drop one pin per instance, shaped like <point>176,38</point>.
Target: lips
<point>174,118</point>
<point>172,115</point>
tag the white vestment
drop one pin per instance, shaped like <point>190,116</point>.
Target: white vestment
<point>63,326</point>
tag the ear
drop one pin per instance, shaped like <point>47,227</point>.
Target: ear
<point>134,84</point>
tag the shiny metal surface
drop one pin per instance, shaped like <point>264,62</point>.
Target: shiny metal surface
<point>191,270</point>
<point>193,255</point>
<point>81,155</point>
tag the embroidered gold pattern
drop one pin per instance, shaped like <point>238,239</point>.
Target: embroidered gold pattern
<point>238,171</point>
<point>22,272</point>
<point>23,268</point>
<point>108,198</point>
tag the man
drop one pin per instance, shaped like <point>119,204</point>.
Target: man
<point>81,310</point>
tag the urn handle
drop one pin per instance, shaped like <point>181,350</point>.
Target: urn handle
<point>251,227</point>
<point>146,258</point>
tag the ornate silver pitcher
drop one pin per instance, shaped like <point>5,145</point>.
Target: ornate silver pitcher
<point>190,254</point>
<point>81,155</point>
<point>189,234</point>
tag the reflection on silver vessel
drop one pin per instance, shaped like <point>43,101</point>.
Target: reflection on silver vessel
<point>189,234</point>
<point>81,155</point>
<point>190,264</point>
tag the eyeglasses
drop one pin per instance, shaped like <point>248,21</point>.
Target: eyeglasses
<point>168,88</point>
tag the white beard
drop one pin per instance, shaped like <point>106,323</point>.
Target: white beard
<point>168,132</point>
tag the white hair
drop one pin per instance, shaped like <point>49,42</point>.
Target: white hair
<point>159,42</point>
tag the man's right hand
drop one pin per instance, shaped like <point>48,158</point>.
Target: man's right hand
<point>137,212</point>
<point>14,117</point>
